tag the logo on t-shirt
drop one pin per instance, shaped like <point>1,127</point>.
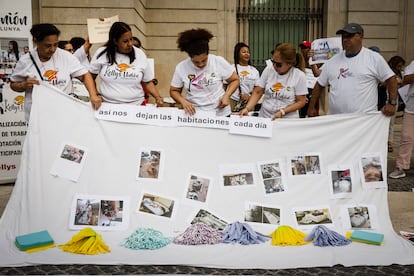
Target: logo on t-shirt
<point>50,75</point>
<point>123,67</point>
<point>344,73</point>
<point>277,87</point>
<point>244,74</point>
<point>194,80</point>
<point>201,80</point>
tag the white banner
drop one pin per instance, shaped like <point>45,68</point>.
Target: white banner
<point>15,25</point>
<point>173,117</point>
<point>12,134</point>
<point>251,125</point>
<point>311,171</point>
<point>147,115</point>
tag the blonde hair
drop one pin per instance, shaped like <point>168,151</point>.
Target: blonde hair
<point>291,56</point>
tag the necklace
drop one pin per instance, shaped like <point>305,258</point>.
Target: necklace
<point>49,70</point>
<point>50,63</point>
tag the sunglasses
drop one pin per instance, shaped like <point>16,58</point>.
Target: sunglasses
<point>277,64</point>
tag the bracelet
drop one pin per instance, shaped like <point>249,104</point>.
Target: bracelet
<point>283,112</point>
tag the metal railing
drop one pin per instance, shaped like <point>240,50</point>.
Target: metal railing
<point>264,23</point>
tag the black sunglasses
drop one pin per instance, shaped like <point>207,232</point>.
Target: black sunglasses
<point>278,64</point>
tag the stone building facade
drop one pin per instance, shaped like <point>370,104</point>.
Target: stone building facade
<point>387,24</point>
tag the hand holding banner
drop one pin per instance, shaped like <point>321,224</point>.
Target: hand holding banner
<point>325,48</point>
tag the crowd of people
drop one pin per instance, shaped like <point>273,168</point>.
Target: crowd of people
<point>208,82</point>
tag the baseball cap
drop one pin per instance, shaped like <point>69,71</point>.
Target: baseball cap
<point>305,44</point>
<point>351,28</point>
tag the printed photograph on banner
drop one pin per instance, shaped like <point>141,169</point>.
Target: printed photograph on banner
<point>206,217</point>
<point>11,50</point>
<point>87,211</point>
<point>306,164</point>
<point>341,181</point>
<point>372,171</point>
<point>69,161</point>
<point>257,213</point>
<point>360,217</point>
<point>157,205</point>
<point>72,153</point>
<point>99,212</point>
<point>197,188</point>
<point>111,212</point>
<point>270,174</point>
<point>150,164</point>
<point>237,175</point>
<point>307,218</point>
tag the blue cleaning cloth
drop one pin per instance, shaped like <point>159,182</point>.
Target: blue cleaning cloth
<point>323,236</point>
<point>242,233</point>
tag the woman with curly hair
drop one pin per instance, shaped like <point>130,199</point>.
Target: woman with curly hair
<point>201,75</point>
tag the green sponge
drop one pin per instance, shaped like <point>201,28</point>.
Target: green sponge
<point>367,237</point>
<point>34,240</point>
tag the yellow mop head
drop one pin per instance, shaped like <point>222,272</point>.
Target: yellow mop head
<point>87,241</point>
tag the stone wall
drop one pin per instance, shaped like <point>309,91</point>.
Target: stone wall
<point>387,24</point>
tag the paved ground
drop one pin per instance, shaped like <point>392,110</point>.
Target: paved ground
<point>401,204</point>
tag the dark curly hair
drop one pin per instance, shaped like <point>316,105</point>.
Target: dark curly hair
<point>194,42</point>
<point>116,31</point>
<point>41,31</point>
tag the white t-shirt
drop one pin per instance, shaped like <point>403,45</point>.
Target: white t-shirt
<point>57,71</point>
<point>248,76</point>
<point>204,86</point>
<point>281,90</point>
<point>354,81</point>
<point>409,105</point>
<point>121,81</point>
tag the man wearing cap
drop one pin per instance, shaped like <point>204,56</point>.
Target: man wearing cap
<point>353,76</point>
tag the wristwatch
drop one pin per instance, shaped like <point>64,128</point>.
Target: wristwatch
<point>392,102</point>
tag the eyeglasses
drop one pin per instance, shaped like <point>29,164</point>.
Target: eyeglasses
<point>277,64</point>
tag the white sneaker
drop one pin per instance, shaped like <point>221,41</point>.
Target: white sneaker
<point>397,173</point>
